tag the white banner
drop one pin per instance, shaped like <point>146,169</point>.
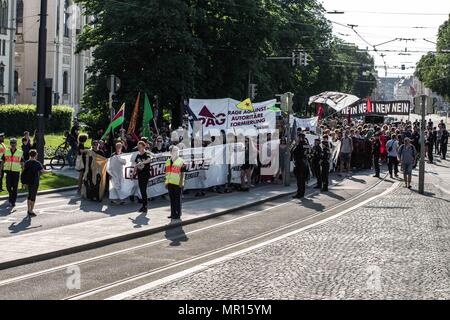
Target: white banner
<point>212,113</point>
<point>310,123</point>
<point>222,114</point>
<point>260,118</point>
<point>206,167</point>
<point>336,100</point>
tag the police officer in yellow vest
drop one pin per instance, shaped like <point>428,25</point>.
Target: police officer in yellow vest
<point>2,152</point>
<point>175,169</point>
<point>12,166</point>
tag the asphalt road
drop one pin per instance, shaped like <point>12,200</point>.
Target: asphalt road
<point>114,269</point>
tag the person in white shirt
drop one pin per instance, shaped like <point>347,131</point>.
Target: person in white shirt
<point>346,152</point>
<point>392,148</point>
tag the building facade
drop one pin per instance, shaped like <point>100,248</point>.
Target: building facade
<point>7,32</point>
<point>66,67</point>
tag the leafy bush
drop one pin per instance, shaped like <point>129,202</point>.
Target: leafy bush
<point>15,119</point>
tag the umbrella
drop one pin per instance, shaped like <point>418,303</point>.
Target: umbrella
<point>336,100</point>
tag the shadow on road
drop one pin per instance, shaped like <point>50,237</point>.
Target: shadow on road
<point>310,204</point>
<point>23,225</point>
<point>334,196</point>
<point>431,195</point>
<point>357,180</point>
<point>176,235</point>
<point>140,221</point>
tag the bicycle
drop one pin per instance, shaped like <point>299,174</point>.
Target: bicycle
<point>58,162</point>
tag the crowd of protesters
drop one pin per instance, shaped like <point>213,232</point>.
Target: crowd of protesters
<point>365,145</point>
<point>341,146</point>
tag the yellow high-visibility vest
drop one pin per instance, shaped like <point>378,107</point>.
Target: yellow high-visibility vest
<point>13,161</point>
<point>173,172</point>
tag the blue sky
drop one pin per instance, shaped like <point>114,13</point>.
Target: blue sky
<point>384,20</point>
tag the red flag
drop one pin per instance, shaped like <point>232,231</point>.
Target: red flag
<point>320,111</point>
<point>369,105</point>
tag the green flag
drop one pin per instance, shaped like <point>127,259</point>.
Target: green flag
<point>148,116</point>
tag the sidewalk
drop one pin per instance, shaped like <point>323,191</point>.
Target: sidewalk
<point>28,248</point>
<point>439,174</point>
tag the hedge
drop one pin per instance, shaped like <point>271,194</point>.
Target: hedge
<point>15,119</point>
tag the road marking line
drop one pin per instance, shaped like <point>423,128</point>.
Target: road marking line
<point>65,266</point>
<point>230,256</point>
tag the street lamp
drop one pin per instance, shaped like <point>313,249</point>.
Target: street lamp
<point>41,72</point>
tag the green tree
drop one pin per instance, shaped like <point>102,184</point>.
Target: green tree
<point>211,49</point>
<point>433,69</point>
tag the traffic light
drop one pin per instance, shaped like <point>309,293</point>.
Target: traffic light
<point>304,59</point>
<point>299,58</point>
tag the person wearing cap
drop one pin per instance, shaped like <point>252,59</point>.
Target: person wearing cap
<point>2,152</point>
<point>13,164</point>
<point>300,156</point>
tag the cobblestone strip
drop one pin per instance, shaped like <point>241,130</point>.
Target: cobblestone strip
<point>395,247</point>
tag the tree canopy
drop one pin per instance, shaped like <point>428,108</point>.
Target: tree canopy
<point>434,68</point>
<point>179,49</point>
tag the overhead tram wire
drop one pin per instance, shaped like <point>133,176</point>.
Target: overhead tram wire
<point>398,13</point>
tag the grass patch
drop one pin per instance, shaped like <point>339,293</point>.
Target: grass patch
<point>48,181</point>
<point>52,142</point>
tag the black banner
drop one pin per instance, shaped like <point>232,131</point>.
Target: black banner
<point>401,108</point>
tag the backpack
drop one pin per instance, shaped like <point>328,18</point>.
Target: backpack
<point>27,175</point>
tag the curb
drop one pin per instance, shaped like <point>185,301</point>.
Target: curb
<point>23,195</point>
<point>131,235</point>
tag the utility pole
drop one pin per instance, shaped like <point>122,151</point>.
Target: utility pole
<point>422,147</point>
<point>286,106</point>
<point>42,56</point>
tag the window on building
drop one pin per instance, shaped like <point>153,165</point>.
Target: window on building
<point>2,76</point>
<point>66,18</point>
<point>58,18</point>
<point>19,10</point>
<point>3,16</point>
<point>65,82</point>
<point>16,81</point>
<point>4,48</point>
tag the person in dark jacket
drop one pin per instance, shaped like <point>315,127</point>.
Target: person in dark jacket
<point>444,142</point>
<point>315,163</point>
<point>376,153</point>
<point>429,144</point>
<point>32,170</point>
<point>325,165</point>
<point>300,156</point>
